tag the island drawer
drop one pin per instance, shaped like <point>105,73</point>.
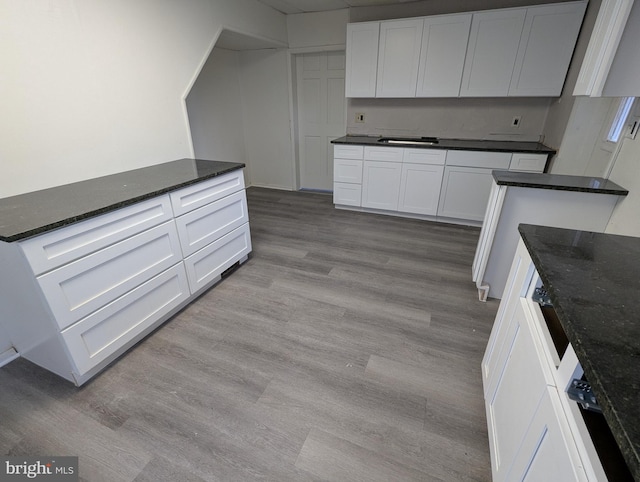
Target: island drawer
<point>79,288</point>
<point>94,339</point>
<point>208,264</point>
<point>59,247</point>
<point>204,225</point>
<point>197,195</point>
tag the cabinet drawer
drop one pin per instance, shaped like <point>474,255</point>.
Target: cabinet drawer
<point>67,244</point>
<point>424,156</point>
<point>347,194</point>
<point>486,159</point>
<point>347,170</point>
<point>95,338</point>
<point>197,195</point>
<point>204,225</point>
<point>344,151</point>
<point>527,162</point>
<point>79,288</point>
<point>390,154</point>
<point>209,263</point>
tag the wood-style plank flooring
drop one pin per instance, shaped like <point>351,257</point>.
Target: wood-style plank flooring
<point>347,348</point>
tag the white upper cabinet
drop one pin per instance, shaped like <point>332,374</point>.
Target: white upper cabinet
<point>492,52</point>
<point>362,59</point>
<point>444,47</point>
<point>546,48</point>
<point>607,32</point>
<point>398,57</point>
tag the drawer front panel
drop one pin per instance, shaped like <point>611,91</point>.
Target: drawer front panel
<point>348,152</point>
<point>346,170</point>
<point>390,154</point>
<point>528,162</point>
<point>208,223</point>
<point>489,160</point>
<point>195,196</point>
<point>209,263</point>
<point>347,194</point>
<point>95,338</point>
<point>425,156</point>
<point>67,244</point>
<point>79,288</point>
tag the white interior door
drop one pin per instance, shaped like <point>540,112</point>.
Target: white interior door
<point>321,115</point>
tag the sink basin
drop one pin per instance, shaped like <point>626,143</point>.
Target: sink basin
<point>428,141</point>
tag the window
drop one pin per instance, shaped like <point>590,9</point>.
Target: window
<point>619,121</point>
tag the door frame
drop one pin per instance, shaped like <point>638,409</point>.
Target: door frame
<point>293,102</point>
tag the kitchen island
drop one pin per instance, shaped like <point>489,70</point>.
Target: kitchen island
<point>92,267</point>
<point>535,430</point>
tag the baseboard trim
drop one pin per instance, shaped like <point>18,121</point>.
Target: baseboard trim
<point>8,356</point>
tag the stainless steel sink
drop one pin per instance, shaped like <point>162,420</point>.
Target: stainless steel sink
<point>426,141</point>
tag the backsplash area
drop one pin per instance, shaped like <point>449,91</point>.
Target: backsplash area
<point>459,118</point>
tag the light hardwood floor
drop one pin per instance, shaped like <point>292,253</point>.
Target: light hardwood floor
<point>347,348</point>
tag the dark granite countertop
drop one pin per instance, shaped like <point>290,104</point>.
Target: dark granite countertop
<point>453,144</point>
<point>594,283</point>
<point>37,212</point>
<point>558,182</point>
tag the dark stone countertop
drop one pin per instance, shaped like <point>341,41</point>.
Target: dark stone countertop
<point>453,144</point>
<point>594,283</point>
<point>558,182</point>
<point>37,212</point>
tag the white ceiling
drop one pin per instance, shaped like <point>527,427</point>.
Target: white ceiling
<point>302,6</point>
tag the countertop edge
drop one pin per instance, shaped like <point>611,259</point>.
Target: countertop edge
<point>617,428</point>
<point>109,208</point>
<point>556,187</point>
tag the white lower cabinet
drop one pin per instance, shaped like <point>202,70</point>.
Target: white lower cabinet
<point>381,185</point>
<point>101,334</point>
<point>345,194</point>
<point>210,262</point>
<point>535,432</point>
<point>465,192</point>
<point>420,188</point>
<point>83,294</point>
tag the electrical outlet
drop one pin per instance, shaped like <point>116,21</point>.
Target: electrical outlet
<point>360,117</point>
<point>515,122</point>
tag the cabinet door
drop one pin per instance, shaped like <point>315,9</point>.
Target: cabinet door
<point>347,194</point>
<point>546,47</point>
<point>398,58</point>
<point>492,51</point>
<point>444,47</point>
<point>513,402</point>
<point>465,192</point>
<point>548,451</point>
<point>381,185</point>
<point>420,188</point>
<point>362,59</point>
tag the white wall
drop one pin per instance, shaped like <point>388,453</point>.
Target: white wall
<point>5,344</point>
<point>264,81</point>
<point>626,172</point>
<point>456,118</point>
<point>94,87</point>
<point>214,105</point>
<point>318,29</point>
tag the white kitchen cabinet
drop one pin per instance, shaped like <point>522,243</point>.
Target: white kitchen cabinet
<point>79,296</point>
<point>528,162</point>
<point>420,188</point>
<point>491,53</point>
<point>345,194</point>
<point>381,185</point>
<point>362,59</point>
<point>465,192</point>
<point>347,170</point>
<point>603,45</point>
<point>398,57</point>
<point>535,432</point>
<point>547,29</point>
<point>347,174</point>
<point>444,47</point>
